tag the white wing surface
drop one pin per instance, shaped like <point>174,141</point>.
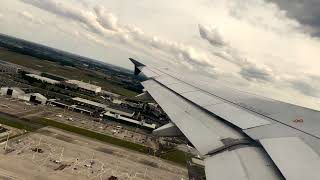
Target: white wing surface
<point>242,136</point>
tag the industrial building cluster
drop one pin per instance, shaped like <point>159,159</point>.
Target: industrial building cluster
<point>64,115</point>
<point>85,86</point>
<point>70,83</point>
<point>80,105</point>
<point>102,104</point>
<point>86,99</point>
<point>20,94</point>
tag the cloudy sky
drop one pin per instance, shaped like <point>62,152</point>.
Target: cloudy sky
<point>268,47</point>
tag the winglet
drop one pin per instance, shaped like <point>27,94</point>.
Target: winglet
<point>137,66</point>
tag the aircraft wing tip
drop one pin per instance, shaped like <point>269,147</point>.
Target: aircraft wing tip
<point>137,66</point>
<point>136,63</point>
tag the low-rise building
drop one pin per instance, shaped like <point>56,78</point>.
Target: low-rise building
<point>120,111</point>
<point>122,119</point>
<point>15,92</point>
<point>110,94</point>
<point>116,101</point>
<point>102,107</point>
<point>89,103</point>
<point>72,107</point>
<point>12,91</point>
<point>43,79</point>
<point>85,86</point>
<point>58,103</point>
<point>35,98</point>
<point>82,109</point>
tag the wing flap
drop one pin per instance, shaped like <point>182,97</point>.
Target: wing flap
<point>294,157</point>
<point>246,163</point>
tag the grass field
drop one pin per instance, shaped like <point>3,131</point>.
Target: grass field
<point>176,156</point>
<point>18,123</point>
<point>69,72</point>
<point>91,134</point>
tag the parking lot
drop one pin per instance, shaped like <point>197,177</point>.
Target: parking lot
<point>103,126</point>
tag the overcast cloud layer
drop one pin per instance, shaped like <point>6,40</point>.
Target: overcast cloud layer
<point>269,47</point>
<point>305,11</point>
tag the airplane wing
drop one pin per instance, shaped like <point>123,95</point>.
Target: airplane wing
<point>241,135</point>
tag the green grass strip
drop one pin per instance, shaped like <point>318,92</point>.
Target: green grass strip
<point>17,123</point>
<point>92,134</point>
<point>176,156</point>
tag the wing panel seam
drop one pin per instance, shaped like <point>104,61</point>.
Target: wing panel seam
<point>240,106</point>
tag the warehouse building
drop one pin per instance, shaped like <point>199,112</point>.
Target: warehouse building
<point>43,79</point>
<point>70,106</point>
<point>88,103</point>
<point>116,101</point>
<point>120,111</point>
<point>58,103</point>
<point>20,94</point>
<point>121,119</point>
<point>110,94</point>
<point>82,109</point>
<point>36,98</point>
<point>14,92</point>
<point>102,107</point>
<point>85,86</point>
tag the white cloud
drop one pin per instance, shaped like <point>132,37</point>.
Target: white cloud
<point>106,19</point>
<point>68,10</point>
<point>254,72</point>
<point>212,35</point>
<point>248,70</point>
<point>305,84</point>
<point>104,23</point>
<point>305,11</point>
<point>255,41</point>
<point>266,45</point>
<point>28,16</point>
<point>264,15</point>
